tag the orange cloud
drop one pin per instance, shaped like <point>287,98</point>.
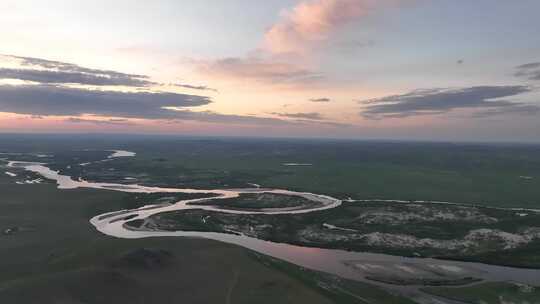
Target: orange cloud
<point>259,69</point>
<point>311,22</point>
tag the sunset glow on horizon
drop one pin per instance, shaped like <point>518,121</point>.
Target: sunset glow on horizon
<point>363,69</point>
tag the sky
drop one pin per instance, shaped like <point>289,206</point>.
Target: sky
<point>361,69</point>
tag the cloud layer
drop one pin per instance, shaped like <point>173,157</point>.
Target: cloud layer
<point>439,101</point>
<point>50,94</point>
<point>49,100</point>
<point>193,87</point>
<point>530,71</point>
<point>61,77</point>
<point>57,100</point>
<point>322,99</point>
<point>55,72</point>
<point>310,115</point>
<point>110,122</point>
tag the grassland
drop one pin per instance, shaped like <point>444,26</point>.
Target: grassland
<point>258,201</point>
<point>338,289</point>
<point>493,293</point>
<point>490,174</point>
<point>488,235</point>
<point>55,256</point>
<point>47,245</point>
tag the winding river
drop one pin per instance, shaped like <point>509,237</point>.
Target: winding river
<point>332,261</point>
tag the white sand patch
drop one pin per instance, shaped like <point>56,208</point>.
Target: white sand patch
<point>369,266</point>
<point>525,288</point>
<point>418,212</point>
<point>11,174</point>
<point>328,226</point>
<point>43,155</point>
<point>510,240</point>
<point>449,268</point>
<point>409,241</point>
<point>406,269</point>
<point>33,181</point>
<point>121,153</point>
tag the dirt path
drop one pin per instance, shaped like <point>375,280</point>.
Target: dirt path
<point>231,287</point>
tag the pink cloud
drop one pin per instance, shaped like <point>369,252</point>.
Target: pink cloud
<point>283,56</point>
<point>311,22</point>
